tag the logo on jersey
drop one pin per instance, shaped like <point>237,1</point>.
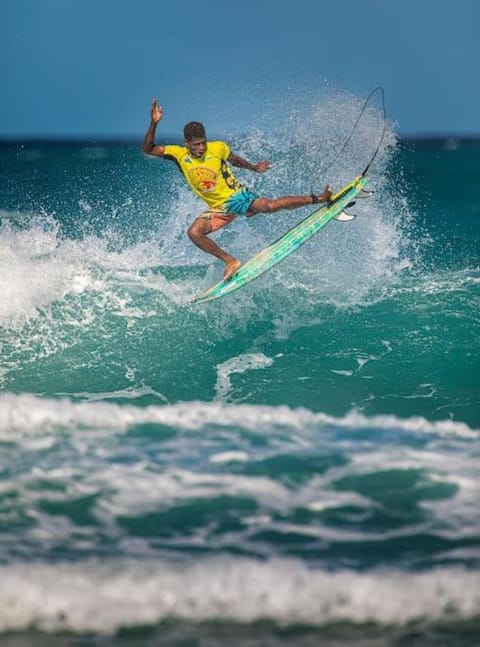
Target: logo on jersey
<point>203,179</point>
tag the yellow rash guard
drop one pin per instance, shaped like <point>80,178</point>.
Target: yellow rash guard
<point>209,176</point>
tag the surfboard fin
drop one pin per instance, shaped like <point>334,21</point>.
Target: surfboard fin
<point>365,194</point>
<point>345,217</point>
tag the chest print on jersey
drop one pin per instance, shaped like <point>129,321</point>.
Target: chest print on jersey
<point>204,179</point>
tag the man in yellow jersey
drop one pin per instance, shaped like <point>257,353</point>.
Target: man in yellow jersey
<point>205,167</point>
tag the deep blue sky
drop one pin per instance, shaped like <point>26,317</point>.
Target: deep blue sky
<point>91,67</point>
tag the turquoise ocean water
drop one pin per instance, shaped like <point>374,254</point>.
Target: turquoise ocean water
<point>295,464</point>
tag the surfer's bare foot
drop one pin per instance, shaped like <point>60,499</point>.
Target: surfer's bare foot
<point>231,267</point>
<point>323,197</point>
<point>327,193</point>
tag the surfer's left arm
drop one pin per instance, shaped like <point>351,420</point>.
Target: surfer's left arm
<point>259,167</point>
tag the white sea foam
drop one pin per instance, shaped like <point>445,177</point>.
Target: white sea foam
<point>39,268</point>
<point>79,451</point>
<point>32,272</point>
<point>23,416</point>
<point>83,433</point>
<point>240,364</point>
<point>104,597</point>
<point>331,264</point>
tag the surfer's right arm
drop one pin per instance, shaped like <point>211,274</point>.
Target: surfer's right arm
<point>149,145</point>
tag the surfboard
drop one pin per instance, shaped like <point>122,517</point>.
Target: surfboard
<point>268,257</point>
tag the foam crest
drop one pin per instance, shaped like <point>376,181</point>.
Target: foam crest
<point>104,597</point>
<point>32,272</point>
<point>26,416</point>
<point>39,267</point>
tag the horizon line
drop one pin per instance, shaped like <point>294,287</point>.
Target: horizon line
<point>133,139</point>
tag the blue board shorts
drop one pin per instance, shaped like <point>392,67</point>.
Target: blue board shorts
<point>240,202</point>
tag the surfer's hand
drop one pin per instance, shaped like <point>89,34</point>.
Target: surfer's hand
<point>261,167</point>
<point>156,112</point>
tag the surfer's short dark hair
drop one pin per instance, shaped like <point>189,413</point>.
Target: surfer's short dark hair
<point>194,129</point>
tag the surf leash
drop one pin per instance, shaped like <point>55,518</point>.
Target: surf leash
<point>347,141</point>
<point>384,129</point>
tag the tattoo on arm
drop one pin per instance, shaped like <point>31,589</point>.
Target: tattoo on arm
<point>236,160</point>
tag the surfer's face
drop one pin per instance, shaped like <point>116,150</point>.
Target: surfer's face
<point>196,146</point>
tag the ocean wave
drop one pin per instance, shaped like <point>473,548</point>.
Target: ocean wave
<point>107,596</point>
<point>39,267</point>
<point>26,416</point>
<point>81,478</point>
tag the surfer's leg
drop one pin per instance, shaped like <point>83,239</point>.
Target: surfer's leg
<point>265,205</point>
<point>198,234</point>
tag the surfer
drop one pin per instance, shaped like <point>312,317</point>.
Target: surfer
<point>205,167</point>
